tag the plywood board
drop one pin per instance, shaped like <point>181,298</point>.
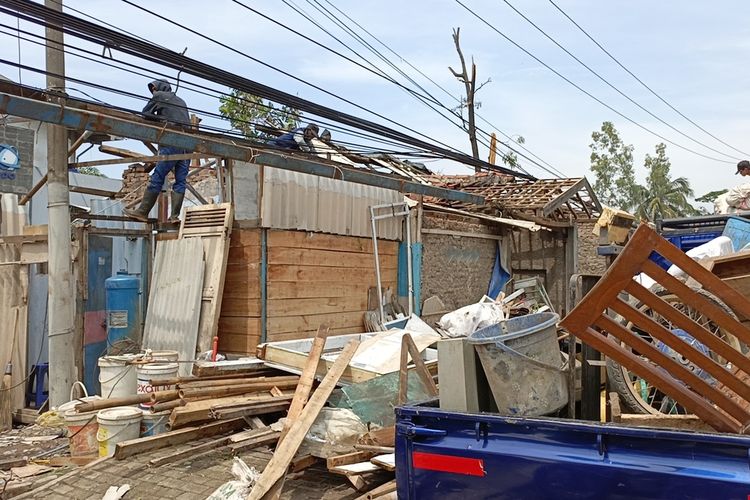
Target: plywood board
<point>174,303</point>
<point>312,321</point>
<point>298,307</point>
<point>213,225</point>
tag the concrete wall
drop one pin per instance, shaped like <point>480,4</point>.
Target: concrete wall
<point>19,181</point>
<point>589,262</point>
<point>456,268</point>
<point>549,255</point>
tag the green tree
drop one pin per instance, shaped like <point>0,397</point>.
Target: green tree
<point>90,171</point>
<point>612,166</point>
<point>663,197</point>
<point>249,113</point>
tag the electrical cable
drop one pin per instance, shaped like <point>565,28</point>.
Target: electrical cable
<point>216,92</point>
<point>106,37</point>
<point>343,25</point>
<point>613,87</point>
<point>653,92</point>
<point>584,91</point>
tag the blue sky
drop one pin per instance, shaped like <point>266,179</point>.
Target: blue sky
<point>692,53</point>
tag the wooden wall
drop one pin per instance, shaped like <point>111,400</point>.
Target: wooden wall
<point>239,323</point>
<point>312,278</point>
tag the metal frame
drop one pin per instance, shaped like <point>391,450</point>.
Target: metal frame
<point>375,217</point>
<point>79,119</point>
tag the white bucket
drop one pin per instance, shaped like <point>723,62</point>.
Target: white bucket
<point>155,371</point>
<point>154,423</point>
<point>117,378</point>
<point>116,425</point>
<point>82,429</point>
<point>165,356</point>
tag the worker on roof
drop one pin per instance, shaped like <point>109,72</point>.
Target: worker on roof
<point>166,106</point>
<point>299,138</point>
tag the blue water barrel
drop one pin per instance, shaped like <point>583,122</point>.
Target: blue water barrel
<point>123,308</point>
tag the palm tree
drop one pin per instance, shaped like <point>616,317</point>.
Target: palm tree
<point>663,197</point>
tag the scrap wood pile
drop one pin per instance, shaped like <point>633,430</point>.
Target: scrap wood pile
<point>307,421</point>
<point>691,349</point>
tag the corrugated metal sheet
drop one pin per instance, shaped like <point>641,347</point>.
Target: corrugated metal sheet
<point>174,303</point>
<point>293,200</point>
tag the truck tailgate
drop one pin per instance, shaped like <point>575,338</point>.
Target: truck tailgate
<point>441,454</point>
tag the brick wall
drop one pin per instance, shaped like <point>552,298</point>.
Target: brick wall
<point>19,181</point>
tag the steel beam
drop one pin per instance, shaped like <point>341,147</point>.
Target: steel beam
<point>78,119</point>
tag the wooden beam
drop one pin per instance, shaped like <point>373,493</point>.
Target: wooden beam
<point>137,159</point>
<point>179,455</point>
<point>462,234</point>
<point>93,191</point>
<point>132,447</point>
<point>285,452</point>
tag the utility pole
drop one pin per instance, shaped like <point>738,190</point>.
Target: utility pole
<point>61,303</point>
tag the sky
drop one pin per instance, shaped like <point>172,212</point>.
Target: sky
<point>692,54</point>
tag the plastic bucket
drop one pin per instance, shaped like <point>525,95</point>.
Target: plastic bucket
<point>116,377</point>
<point>154,423</point>
<point>523,363</point>
<point>155,371</point>
<point>165,356</point>
<point>82,429</point>
<point>116,425</point>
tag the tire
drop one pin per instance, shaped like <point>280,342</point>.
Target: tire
<point>619,378</point>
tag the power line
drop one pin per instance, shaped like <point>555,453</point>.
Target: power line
<point>584,91</point>
<point>641,81</point>
<point>215,93</point>
<point>553,171</point>
<point>609,84</point>
<point>100,35</point>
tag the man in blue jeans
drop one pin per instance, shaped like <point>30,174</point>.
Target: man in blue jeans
<point>164,105</point>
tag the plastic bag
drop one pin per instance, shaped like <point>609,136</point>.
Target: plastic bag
<point>239,488</point>
<point>334,432</point>
<point>468,319</point>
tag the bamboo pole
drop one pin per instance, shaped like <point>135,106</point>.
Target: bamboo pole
<point>100,404</point>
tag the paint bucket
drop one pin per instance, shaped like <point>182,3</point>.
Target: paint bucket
<point>82,429</point>
<point>522,360</point>
<point>117,377</point>
<point>155,371</point>
<point>117,425</point>
<point>164,356</point>
<point>154,423</point>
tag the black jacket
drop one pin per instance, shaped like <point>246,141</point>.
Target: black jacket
<point>165,105</point>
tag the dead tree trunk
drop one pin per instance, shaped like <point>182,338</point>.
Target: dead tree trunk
<point>470,84</point>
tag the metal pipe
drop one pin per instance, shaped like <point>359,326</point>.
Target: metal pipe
<point>410,281</point>
<point>377,262</point>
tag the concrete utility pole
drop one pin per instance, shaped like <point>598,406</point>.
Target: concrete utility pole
<point>62,372</point>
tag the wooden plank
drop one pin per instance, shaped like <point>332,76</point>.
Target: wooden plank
<point>303,463</point>
<point>213,224</point>
<point>236,288</point>
<point>263,440</point>
<point>243,255</point>
<point>293,290</point>
<point>179,455</point>
<point>245,325</point>
<point>677,370</point>
<point>387,462</point>
<point>306,379</point>
<point>238,306</point>
<point>327,258</point>
<point>132,447</point>
<point>300,335</point>
<point>380,491</point>
<point>246,344</point>
<point>349,458</point>
<point>292,324</point>
<point>245,237</point>
<point>296,273</point>
<point>285,452</point>
<point>354,469</point>
<point>299,307</point>
<point>301,239</point>
<point>681,422</point>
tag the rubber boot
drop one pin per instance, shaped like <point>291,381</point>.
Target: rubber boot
<point>177,199</point>
<point>147,203</point>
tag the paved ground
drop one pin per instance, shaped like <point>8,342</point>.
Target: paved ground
<point>192,479</point>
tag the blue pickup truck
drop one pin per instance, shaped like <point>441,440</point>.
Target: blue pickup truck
<point>446,455</point>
